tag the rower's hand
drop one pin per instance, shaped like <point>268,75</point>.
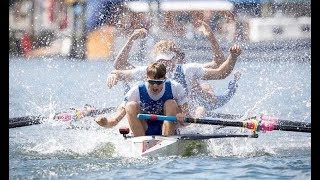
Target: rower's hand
<point>139,33</point>
<point>237,75</point>
<point>104,122</point>
<point>112,80</point>
<point>180,118</point>
<point>235,51</point>
<point>88,108</point>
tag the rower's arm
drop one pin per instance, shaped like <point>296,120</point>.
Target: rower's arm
<point>119,75</point>
<point>113,120</point>
<point>227,95</point>
<point>119,115</point>
<point>123,74</point>
<point>226,67</point>
<point>185,109</point>
<point>121,61</point>
<point>183,114</point>
<point>218,57</point>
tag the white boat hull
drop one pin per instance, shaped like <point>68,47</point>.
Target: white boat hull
<point>153,146</point>
<point>181,145</point>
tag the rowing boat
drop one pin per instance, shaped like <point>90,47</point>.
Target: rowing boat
<point>177,145</point>
<point>189,144</point>
<point>181,144</point>
<point>152,146</point>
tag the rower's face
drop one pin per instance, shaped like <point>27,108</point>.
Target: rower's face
<point>155,86</point>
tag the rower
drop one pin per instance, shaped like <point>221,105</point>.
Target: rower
<point>156,95</point>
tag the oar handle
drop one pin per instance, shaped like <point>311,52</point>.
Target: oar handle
<point>154,117</point>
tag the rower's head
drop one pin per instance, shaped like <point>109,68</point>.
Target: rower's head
<point>206,87</point>
<point>168,53</point>
<point>156,76</point>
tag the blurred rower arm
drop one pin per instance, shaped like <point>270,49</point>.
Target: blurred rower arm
<point>121,61</point>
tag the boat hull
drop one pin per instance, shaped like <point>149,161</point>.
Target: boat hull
<point>178,145</point>
<point>152,146</point>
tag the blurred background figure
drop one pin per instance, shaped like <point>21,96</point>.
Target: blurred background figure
<point>43,29</point>
<point>95,29</point>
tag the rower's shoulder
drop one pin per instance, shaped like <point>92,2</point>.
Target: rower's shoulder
<point>140,68</point>
<point>192,70</point>
<point>174,83</point>
<point>176,87</point>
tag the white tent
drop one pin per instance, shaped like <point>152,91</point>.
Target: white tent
<point>196,5</point>
<point>182,5</point>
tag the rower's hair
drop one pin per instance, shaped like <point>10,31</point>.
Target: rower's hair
<point>156,70</point>
<point>165,46</point>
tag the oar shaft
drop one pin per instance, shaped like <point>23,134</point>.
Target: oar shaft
<point>24,121</point>
<point>293,123</point>
<point>282,122</point>
<point>64,116</point>
<point>293,128</point>
<point>214,121</point>
<point>102,111</point>
<point>223,115</point>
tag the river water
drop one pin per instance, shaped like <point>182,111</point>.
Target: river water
<point>54,150</point>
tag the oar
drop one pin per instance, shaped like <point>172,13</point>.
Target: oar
<point>254,124</point>
<point>63,116</point>
<point>224,115</point>
<point>281,122</point>
<point>24,121</point>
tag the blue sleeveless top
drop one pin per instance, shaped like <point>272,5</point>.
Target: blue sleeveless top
<point>150,106</point>
<point>180,77</point>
